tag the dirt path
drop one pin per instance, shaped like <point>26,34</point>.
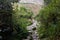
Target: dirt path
<point>32,31</point>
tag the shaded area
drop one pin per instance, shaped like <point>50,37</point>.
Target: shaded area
<point>5,20</point>
<point>6,26</point>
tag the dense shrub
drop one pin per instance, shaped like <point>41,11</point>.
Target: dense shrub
<point>6,27</point>
<point>20,20</point>
<point>49,21</point>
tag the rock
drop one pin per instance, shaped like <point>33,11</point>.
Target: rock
<point>34,28</point>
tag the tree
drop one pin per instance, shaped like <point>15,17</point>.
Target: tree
<point>5,20</point>
<point>6,26</point>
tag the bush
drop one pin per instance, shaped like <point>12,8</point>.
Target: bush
<point>21,18</point>
<point>49,21</point>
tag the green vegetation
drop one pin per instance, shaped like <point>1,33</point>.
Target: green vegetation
<point>47,2</point>
<point>15,19</point>
<point>20,20</point>
<point>49,19</point>
<point>6,27</point>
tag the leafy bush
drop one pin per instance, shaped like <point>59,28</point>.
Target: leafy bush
<point>49,21</point>
<point>21,18</point>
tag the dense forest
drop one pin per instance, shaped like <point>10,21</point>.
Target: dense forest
<point>14,20</point>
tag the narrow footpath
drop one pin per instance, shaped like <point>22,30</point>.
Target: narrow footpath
<point>32,30</point>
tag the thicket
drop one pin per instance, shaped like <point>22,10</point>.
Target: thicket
<point>13,21</point>
<point>49,18</point>
<point>21,16</point>
<point>6,27</point>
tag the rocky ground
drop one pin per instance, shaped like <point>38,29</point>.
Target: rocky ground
<point>32,31</point>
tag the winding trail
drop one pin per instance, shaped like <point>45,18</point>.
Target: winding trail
<point>32,30</point>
